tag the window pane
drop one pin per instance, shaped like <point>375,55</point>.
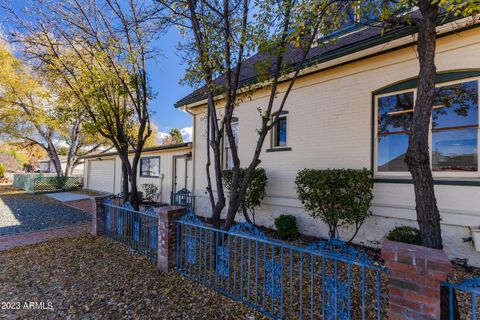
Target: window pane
<point>455,150</point>
<point>395,112</point>
<point>150,167</point>
<point>391,152</point>
<point>456,105</point>
<point>281,134</point>
<point>155,166</point>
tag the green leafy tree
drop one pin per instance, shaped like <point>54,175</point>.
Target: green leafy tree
<point>176,135</point>
<point>2,170</point>
<point>255,193</point>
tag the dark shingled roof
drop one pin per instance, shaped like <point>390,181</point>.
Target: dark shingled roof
<point>357,40</point>
<point>149,149</point>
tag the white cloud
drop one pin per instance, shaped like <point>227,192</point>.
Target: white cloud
<point>187,133</point>
<point>161,136</point>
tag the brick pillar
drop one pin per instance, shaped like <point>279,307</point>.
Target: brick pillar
<point>416,274</point>
<point>167,236</point>
<point>98,210</point>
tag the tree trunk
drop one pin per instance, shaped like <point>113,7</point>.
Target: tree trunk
<point>53,155</point>
<point>124,183</point>
<point>418,154</point>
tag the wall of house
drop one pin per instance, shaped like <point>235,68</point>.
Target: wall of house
<point>164,182</point>
<point>329,126</point>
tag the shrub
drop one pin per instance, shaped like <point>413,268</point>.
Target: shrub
<point>2,170</point>
<point>339,197</point>
<point>150,192</point>
<point>255,193</point>
<point>286,226</point>
<point>405,234</point>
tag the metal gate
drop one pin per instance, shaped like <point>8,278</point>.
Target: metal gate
<point>326,280</point>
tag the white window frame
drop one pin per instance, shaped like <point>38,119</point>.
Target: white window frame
<point>436,174</point>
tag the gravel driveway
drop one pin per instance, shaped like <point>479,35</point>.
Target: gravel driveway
<point>90,277</point>
<point>22,212</point>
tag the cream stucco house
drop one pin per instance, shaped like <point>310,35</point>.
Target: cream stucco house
<point>169,167</point>
<point>346,111</point>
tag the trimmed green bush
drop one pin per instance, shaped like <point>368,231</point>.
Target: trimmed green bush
<point>2,170</point>
<point>405,234</point>
<point>339,197</point>
<point>287,227</point>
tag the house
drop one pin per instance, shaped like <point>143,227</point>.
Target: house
<point>169,167</point>
<point>348,110</point>
<point>47,166</point>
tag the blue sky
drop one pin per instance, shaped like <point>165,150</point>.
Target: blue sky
<point>165,73</point>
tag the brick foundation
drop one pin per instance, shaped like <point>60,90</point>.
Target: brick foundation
<point>416,274</point>
<point>167,235</point>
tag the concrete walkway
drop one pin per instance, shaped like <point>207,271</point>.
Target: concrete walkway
<point>67,196</point>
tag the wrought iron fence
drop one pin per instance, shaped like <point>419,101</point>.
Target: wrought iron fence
<point>135,229</point>
<point>463,299</point>
<point>182,198</point>
<point>327,280</point>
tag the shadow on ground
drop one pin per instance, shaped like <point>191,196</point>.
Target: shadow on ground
<point>90,277</point>
<point>22,212</point>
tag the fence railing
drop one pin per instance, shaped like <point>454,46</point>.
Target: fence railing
<point>136,229</point>
<point>463,300</point>
<point>56,184</point>
<point>183,198</point>
<point>42,183</point>
<point>327,280</point>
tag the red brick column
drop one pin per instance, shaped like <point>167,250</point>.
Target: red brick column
<point>415,276</point>
<point>98,210</point>
<point>167,236</point>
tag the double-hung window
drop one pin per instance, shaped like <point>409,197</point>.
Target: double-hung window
<point>280,131</point>
<point>453,138</point>
<point>228,149</point>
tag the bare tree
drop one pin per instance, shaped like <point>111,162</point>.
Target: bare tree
<point>220,38</point>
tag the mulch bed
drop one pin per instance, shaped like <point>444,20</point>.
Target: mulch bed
<point>95,278</point>
<point>22,212</point>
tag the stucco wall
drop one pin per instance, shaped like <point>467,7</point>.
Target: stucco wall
<point>164,182</point>
<point>329,126</point>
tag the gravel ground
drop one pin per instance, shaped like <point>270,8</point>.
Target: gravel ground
<point>22,212</point>
<point>95,278</point>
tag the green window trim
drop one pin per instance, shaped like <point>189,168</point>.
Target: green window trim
<point>444,182</point>
<point>441,77</point>
<point>411,83</point>
<point>279,149</point>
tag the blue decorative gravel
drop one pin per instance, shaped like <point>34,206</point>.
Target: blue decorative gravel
<point>22,212</point>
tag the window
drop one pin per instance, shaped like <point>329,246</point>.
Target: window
<point>453,135</point>
<point>150,167</point>
<point>280,131</point>
<point>228,150</point>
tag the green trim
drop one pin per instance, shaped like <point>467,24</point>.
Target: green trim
<point>364,44</point>
<point>445,76</point>
<point>279,149</point>
<point>474,183</point>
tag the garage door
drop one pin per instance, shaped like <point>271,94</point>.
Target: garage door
<point>101,175</point>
